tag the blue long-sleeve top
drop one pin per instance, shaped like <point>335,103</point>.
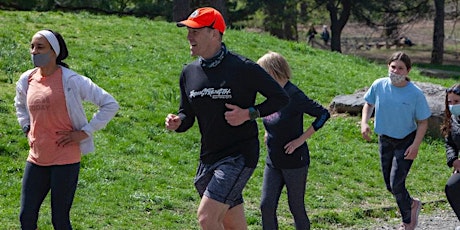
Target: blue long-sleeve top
<point>287,124</point>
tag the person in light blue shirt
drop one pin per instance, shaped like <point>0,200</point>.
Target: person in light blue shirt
<point>401,121</point>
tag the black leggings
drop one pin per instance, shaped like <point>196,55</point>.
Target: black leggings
<point>295,181</point>
<point>452,192</point>
<point>37,182</point>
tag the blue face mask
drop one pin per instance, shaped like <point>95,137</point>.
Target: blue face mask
<point>455,109</point>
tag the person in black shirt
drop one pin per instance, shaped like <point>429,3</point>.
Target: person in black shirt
<point>451,132</point>
<point>311,35</point>
<point>288,156</point>
<point>219,90</point>
<point>325,35</point>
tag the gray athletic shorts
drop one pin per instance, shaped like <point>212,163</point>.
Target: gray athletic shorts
<point>224,180</point>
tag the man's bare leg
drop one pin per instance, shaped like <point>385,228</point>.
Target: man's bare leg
<point>211,214</point>
<point>234,219</point>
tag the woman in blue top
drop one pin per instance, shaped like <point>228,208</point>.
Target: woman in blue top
<point>401,121</point>
<point>288,156</point>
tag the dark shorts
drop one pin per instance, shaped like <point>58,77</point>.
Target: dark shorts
<point>224,180</point>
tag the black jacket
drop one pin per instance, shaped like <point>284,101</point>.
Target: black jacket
<point>452,142</point>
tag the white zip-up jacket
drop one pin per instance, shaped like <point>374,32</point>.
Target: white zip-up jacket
<point>77,88</point>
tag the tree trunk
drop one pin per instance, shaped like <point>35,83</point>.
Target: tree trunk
<point>282,19</point>
<point>438,33</point>
<point>222,8</point>
<point>275,21</point>
<point>181,10</point>
<point>338,23</point>
<point>290,22</point>
<point>216,4</point>
<point>303,14</point>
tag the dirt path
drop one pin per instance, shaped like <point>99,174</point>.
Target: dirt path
<point>438,220</point>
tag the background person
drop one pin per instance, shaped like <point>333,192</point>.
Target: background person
<point>311,35</point>
<point>325,35</point>
<point>49,108</point>
<point>451,132</point>
<point>401,121</point>
<point>288,156</point>
<point>219,89</point>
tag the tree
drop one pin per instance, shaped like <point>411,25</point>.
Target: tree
<point>282,18</point>
<point>438,33</point>
<point>390,16</point>
<point>339,12</point>
<point>181,10</point>
<point>219,5</point>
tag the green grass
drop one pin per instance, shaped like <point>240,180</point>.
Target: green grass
<point>141,176</point>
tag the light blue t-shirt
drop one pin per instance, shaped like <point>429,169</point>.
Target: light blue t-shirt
<point>397,109</point>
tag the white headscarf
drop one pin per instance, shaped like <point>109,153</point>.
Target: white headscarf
<point>51,39</point>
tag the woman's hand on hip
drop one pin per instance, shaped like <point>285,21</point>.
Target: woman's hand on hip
<point>70,137</point>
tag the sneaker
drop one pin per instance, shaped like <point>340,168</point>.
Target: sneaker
<point>403,226</point>
<point>415,211</point>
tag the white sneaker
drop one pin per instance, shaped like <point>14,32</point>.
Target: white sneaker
<point>404,226</point>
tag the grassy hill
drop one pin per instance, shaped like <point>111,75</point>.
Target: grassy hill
<point>141,176</point>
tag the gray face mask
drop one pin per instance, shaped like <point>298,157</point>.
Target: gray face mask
<point>40,60</point>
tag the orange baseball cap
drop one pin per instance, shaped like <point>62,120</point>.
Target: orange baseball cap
<point>204,17</point>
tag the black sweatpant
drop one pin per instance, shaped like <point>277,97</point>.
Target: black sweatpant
<point>452,192</point>
<point>37,182</point>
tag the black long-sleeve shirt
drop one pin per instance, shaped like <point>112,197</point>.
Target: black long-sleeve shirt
<point>452,142</point>
<point>287,125</point>
<point>204,93</point>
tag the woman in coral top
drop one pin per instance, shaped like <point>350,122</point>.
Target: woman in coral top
<point>50,111</point>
